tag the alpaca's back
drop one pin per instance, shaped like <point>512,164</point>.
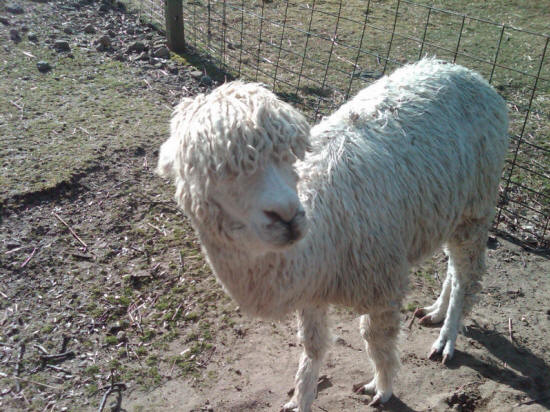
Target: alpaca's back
<point>408,159</point>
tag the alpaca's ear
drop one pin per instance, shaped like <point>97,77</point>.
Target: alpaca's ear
<point>167,156</point>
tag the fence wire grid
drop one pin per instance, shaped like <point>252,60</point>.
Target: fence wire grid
<point>318,53</point>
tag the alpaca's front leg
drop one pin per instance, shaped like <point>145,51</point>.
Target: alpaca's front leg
<point>380,331</point>
<point>314,335</point>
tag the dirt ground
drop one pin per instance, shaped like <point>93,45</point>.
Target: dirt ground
<point>105,300</point>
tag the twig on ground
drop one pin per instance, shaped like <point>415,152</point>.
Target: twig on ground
<point>29,258</point>
<point>41,349</point>
<point>157,229</point>
<point>16,105</point>
<point>71,230</point>
<point>510,332</point>
<point>115,387</point>
<point>13,250</point>
<point>64,343</point>
<point>17,378</point>
<point>57,368</point>
<point>57,356</point>
<point>176,312</point>
<point>18,366</point>
<point>410,324</point>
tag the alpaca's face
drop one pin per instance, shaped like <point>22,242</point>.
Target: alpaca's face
<point>261,211</point>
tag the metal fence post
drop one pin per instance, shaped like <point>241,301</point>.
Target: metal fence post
<point>175,34</point>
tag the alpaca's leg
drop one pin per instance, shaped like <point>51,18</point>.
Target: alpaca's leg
<point>380,331</point>
<point>435,313</point>
<point>466,252</point>
<point>313,333</point>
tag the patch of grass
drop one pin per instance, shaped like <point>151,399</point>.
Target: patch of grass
<point>92,370</point>
<point>111,340</point>
<point>411,306</point>
<point>46,140</point>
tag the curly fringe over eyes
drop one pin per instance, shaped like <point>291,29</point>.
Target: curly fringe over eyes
<point>234,128</point>
<point>227,133</point>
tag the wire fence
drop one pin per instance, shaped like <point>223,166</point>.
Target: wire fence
<point>318,53</point>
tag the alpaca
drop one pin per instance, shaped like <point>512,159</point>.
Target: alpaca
<point>297,219</point>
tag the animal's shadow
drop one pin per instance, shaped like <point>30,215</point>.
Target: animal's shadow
<point>534,377</point>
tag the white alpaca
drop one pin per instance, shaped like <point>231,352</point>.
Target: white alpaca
<point>411,163</point>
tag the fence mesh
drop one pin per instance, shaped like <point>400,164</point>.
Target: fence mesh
<point>317,54</point>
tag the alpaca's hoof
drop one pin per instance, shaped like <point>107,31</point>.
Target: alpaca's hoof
<point>444,346</point>
<point>419,313</point>
<point>370,388</point>
<point>290,407</point>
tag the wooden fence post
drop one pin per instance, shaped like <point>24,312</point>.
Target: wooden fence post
<point>175,35</point>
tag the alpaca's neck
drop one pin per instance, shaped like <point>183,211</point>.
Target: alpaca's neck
<point>268,286</point>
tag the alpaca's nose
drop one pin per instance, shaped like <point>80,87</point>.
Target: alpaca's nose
<point>286,215</point>
<point>277,217</point>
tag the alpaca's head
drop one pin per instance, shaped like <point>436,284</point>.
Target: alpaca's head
<point>232,154</point>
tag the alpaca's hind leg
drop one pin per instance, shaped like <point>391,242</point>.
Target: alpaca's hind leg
<point>380,331</point>
<point>435,313</point>
<point>314,334</point>
<point>466,252</point>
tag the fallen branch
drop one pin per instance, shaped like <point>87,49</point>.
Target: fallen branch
<point>71,230</point>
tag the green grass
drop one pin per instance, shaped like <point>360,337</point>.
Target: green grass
<point>75,110</point>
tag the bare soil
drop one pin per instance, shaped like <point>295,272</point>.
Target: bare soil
<point>98,267</point>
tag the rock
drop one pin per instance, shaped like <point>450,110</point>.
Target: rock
<point>136,47</point>
<point>15,36</point>
<point>121,336</point>
<point>67,30</point>
<point>111,33</point>
<point>162,53</point>
<point>103,43</point>
<point>89,29</point>
<point>14,8</point>
<point>32,37</point>
<point>206,80</point>
<point>61,46</point>
<point>4,20</point>
<point>43,67</point>
<point>196,74</point>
